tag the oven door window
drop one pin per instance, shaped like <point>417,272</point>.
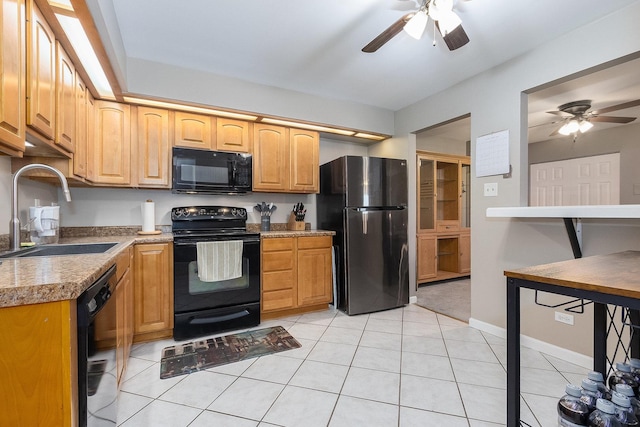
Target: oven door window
<point>197,286</point>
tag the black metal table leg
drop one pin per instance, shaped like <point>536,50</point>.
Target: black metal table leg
<point>513,353</point>
<point>634,316</point>
<point>600,338</point>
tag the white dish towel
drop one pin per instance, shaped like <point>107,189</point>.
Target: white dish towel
<point>219,260</point>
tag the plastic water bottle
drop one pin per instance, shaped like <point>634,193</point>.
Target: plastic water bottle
<point>624,411</point>
<point>604,415</point>
<point>572,411</point>
<point>590,394</point>
<point>597,377</point>
<point>628,391</point>
<point>623,375</point>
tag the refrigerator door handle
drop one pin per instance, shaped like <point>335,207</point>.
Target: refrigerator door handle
<point>380,208</point>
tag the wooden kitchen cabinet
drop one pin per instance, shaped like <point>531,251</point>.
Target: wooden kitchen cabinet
<point>285,160</point>
<point>38,365</point>
<point>151,151</point>
<point>41,74</point>
<point>233,135</point>
<point>443,220</point>
<point>314,270</point>
<point>65,125</point>
<point>304,170</point>
<point>270,158</point>
<point>84,121</point>
<point>12,77</point>
<point>109,154</point>
<point>193,131</point>
<point>296,275</point>
<point>153,291</point>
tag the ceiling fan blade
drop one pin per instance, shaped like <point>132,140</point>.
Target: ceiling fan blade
<point>456,38</point>
<point>556,132</point>
<point>559,113</point>
<point>611,119</point>
<point>387,34</point>
<point>622,106</point>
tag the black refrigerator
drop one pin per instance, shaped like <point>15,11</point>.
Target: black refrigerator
<point>364,200</point>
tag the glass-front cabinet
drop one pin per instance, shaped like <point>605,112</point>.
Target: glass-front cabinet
<point>443,220</point>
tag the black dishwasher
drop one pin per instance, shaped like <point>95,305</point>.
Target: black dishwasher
<point>97,383</point>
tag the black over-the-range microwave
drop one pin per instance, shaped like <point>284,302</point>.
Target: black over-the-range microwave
<point>210,172</point>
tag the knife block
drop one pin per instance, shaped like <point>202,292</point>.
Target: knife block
<point>293,225</point>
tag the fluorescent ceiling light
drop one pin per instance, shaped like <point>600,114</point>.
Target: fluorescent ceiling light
<point>192,109</point>
<point>74,31</point>
<point>308,126</point>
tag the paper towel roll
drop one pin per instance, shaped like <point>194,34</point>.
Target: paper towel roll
<point>148,216</point>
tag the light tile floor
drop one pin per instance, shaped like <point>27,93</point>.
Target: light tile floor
<point>404,367</point>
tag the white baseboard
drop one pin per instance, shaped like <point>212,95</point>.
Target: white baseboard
<point>535,344</point>
<point>413,299</point>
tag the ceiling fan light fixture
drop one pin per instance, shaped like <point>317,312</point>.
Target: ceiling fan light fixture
<point>416,25</point>
<point>585,125</point>
<point>570,127</point>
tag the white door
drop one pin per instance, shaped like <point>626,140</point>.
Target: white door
<point>591,180</point>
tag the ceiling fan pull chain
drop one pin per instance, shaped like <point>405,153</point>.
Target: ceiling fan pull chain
<point>434,32</point>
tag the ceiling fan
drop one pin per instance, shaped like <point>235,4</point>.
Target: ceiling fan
<point>414,23</point>
<point>577,116</point>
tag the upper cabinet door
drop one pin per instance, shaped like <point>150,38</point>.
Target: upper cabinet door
<point>270,158</point>
<point>109,153</point>
<point>233,135</point>
<point>12,77</point>
<point>193,131</point>
<point>41,70</point>
<point>81,122</point>
<point>65,100</point>
<point>305,162</point>
<point>151,147</point>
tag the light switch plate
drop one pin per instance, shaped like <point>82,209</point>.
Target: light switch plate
<point>491,189</point>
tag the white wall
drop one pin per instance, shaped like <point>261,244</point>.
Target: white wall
<point>495,101</point>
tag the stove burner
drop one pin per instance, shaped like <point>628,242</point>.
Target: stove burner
<point>208,220</point>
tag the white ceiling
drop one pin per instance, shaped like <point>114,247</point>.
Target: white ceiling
<point>315,46</point>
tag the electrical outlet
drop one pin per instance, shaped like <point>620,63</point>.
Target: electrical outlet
<point>564,318</point>
<point>491,189</point>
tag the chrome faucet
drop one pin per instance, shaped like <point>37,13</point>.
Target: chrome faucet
<point>14,225</point>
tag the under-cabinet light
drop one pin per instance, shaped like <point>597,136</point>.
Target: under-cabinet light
<point>307,126</point>
<point>370,136</point>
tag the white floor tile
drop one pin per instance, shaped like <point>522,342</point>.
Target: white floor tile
<point>301,352</point>
<point>381,340</point>
<point>320,376</point>
<point>431,395</point>
<point>209,419</point>
<point>136,365</point>
<point>564,366</point>
<point>479,373</point>
<point>544,408</point>
<point>478,351</point>
<point>163,414</point>
<point>323,318</point>
<point>342,335</point>
<point>410,417</point>
<point>424,316</point>
<point>302,407</point>
<point>351,322</point>
<point>376,358</point>
<point>373,385</point>
<point>426,365</point>
<point>424,345</point>
<point>129,404</point>
<point>418,329</point>
<point>352,412</point>
<point>307,331</point>
<point>151,350</point>
<point>383,325</point>
<point>148,383</point>
<point>461,333</point>
<point>493,339</point>
<point>450,321</point>
<point>484,403</point>
<point>198,389</point>
<point>235,368</point>
<point>273,368</point>
<point>394,314</point>
<point>542,382</point>
<point>247,398</point>
<point>340,354</point>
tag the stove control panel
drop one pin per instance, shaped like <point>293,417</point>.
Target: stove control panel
<point>190,213</point>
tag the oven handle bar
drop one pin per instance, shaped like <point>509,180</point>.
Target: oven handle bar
<point>193,242</point>
<point>215,319</point>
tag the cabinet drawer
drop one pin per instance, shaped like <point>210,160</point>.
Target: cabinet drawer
<point>314,242</point>
<point>277,244</point>
<point>277,261</point>
<point>277,300</point>
<point>276,280</point>
<point>446,226</point>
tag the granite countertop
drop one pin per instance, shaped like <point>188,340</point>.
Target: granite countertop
<point>56,278</point>
<point>301,233</point>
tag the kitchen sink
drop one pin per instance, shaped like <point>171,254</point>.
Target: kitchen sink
<point>57,250</point>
